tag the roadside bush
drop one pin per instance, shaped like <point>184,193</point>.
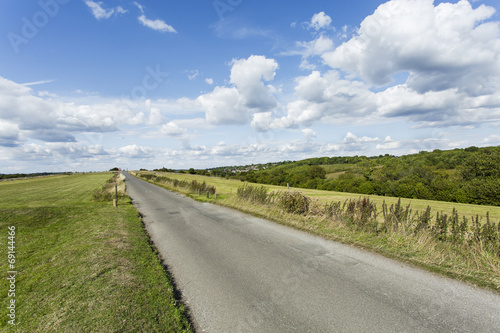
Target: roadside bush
<point>202,188</point>
<point>294,202</point>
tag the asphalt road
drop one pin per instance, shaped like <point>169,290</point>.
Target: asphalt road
<point>238,273</point>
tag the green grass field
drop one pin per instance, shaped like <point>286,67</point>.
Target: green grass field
<point>82,265</point>
<point>466,262</point>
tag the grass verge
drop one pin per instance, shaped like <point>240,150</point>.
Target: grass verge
<point>82,265</point>
<point>466,262</point>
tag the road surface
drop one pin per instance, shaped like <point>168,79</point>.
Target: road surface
<point>238,273</point>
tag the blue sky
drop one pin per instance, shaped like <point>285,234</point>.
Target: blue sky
<point>89,85</point>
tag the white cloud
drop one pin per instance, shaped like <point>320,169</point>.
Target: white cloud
<point>157,24</point>
<point>224,106</point>
<point>100,12</point>
<point>121,10</point>
<point>306,50</point>
<point>209,81</point>
<point>318,46</point>
<point>320,21</point>
<point>309,134</point>
<point>327,98</point>
<point>247,75</point>
<point>135,151</point>
<point>491,140</point>
<point>262,121</point>
<point>442,47</point>
<point>37,83</point>
<point>138,5</point>
<point>9,134</point>
<point>351,138</point>
<point>172,129</point>
<point>155,117</point>
<point>451,57</point>
<point>235,105</point>
<point>53,120</point>
<point>399,147</point>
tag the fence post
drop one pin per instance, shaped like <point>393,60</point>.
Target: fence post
<point>115,200</point>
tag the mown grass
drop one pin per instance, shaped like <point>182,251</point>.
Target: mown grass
<point>82,265</point>
<point>466,262</point>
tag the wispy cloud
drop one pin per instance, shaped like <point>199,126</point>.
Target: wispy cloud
<point>100,12</point>
<point>139,6</point>
<point>193,74</point>
<point>37,83</point>
<point>158,25</point>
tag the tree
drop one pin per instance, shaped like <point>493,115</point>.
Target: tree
<point>316,171</point>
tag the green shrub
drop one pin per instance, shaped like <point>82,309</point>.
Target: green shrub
<point>294,202</point>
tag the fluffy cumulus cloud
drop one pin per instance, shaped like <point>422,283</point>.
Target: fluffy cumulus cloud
<point>354,143</point>
<point>247,76</point>
<point>320,21</point>
<point>442,47</point>
<point>431,65</point>
<point>174,130</point>
<point>327,98</point>
<point>135,151</point>
<point>247,95</point>
<point>9,134</point>
<point>25,116</point>
<point>224,106</point>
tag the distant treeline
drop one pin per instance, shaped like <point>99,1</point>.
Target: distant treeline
<point>30,175</point>
<point>470,175</point>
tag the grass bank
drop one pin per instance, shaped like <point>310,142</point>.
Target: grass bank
<point>469,261</point>
<point>82,265</point>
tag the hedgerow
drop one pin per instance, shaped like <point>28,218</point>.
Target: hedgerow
<point>362,214</point>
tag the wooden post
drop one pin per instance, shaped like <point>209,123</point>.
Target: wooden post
<point>115,200</point>
<point>208,194</point>
<point>287,187</point>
